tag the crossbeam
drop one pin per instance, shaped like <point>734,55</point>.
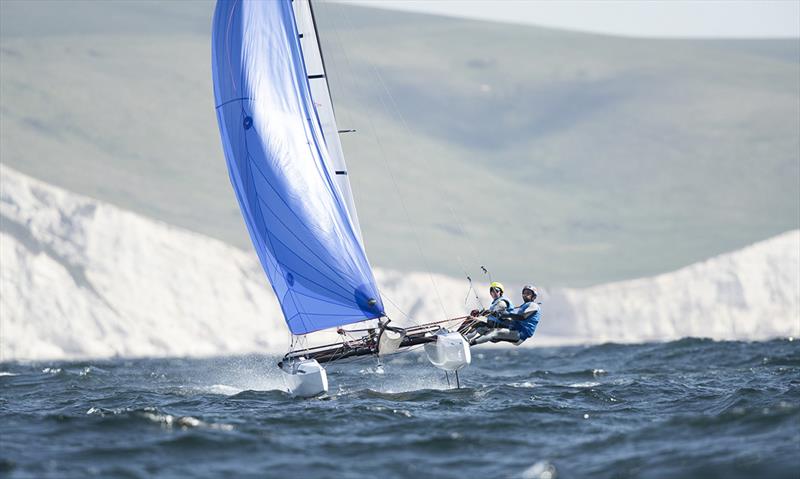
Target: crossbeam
<point>368,344</point>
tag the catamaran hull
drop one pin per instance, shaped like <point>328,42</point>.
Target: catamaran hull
<point>450,351</point>
<point>304,378</point>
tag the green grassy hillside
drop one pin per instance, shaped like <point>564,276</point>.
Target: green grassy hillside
<point>561,157</point>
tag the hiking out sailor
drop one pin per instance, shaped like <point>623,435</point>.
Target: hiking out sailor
<point>500,304</point>
<point>515,325</point>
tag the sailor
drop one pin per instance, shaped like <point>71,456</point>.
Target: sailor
<point>526,316</point>
<point>515,325</point>
<point>500,304</point>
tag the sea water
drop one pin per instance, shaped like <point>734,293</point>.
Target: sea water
<point>689,408</point>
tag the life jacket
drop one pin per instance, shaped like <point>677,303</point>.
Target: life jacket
<point>526,327</point>
<point>493,317</point>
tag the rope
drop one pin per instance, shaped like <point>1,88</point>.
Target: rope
<point>458,223</point>
<point>398,307</point>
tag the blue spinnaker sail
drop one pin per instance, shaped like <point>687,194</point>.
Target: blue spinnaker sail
<point>281,169</point>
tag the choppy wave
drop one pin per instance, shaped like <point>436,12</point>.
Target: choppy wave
<point>687,408</point>
<point>153,415</point>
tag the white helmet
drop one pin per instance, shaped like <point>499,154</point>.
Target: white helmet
<point>532,289</point>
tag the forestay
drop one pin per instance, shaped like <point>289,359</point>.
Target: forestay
<point>278,147</point>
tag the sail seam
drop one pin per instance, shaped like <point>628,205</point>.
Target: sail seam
<point>356,319</point>
<point>258,206</point>
<point>349,304</point>
<point>250,164</point>
<point>302,242</point>
<point>261,200</point>
<point>332,185</point>
<point>233,100</point>
<point>294,271</point>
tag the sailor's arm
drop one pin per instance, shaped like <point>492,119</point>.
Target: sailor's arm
<point>522,313</point>
<point>500,307</point>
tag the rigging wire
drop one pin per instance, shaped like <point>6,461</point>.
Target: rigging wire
<point>475,292</point>
<point>384,157</point>
<point>398,307</point>
<point>332,71</point>
<point>457,221</point>
<point>487,272</point>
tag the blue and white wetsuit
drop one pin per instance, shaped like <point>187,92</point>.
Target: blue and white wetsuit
<point>530,314</point>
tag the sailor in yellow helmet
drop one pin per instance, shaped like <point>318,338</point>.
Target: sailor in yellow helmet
<point>500,304</point>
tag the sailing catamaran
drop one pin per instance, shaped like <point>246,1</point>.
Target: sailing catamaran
<point>286,164</point>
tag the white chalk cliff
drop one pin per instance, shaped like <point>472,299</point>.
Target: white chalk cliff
<point>79,278</point>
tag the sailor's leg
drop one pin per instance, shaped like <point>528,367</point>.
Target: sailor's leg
<point>476,330</point>
<point>469,325</point>
<point>496,335</point>
<point>506,335</point>
<point>486,336</point>
<point>466,327</point>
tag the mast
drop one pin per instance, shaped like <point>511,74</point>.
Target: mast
<point>321,53</point>
<point>323,100</point>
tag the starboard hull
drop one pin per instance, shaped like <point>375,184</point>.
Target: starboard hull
<point>450,351</point>
<point>304,377</point>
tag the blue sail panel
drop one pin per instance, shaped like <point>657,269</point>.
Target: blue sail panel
<point>280,169</point>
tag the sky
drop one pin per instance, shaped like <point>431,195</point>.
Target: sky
<point>640,18</point>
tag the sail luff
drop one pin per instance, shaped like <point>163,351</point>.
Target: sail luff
<point>323,99</point>
<point>321,54</point>
<point>280,168</point>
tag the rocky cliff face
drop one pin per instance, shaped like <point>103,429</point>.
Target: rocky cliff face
<point>80,278</point>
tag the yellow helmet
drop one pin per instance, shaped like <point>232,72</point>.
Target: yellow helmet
<point>497,285</point>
